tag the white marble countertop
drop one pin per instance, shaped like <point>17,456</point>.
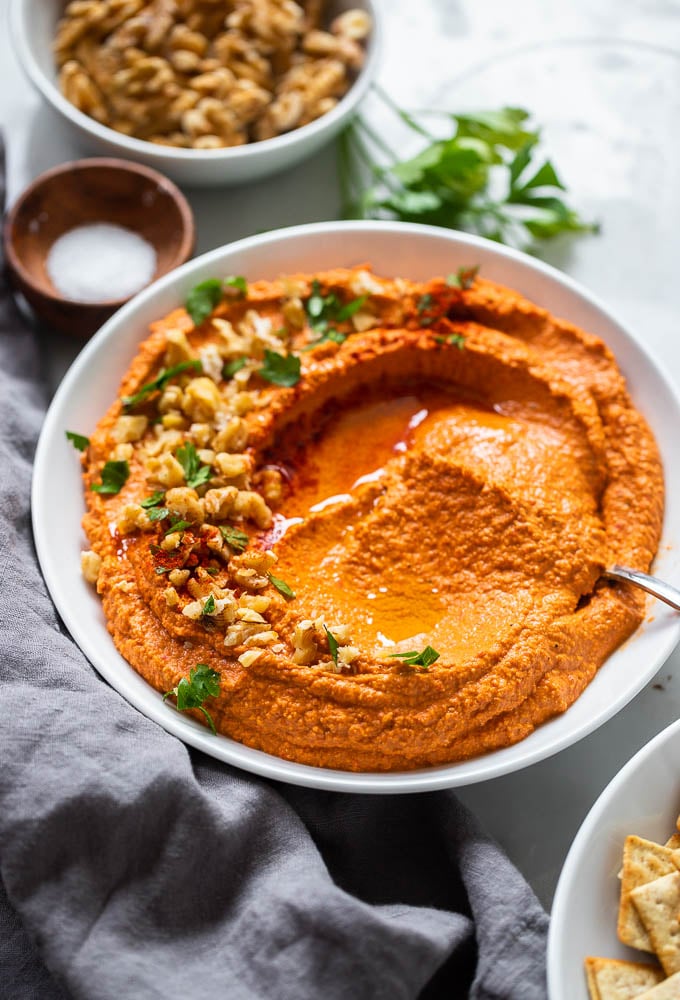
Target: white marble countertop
<point>605,80</point>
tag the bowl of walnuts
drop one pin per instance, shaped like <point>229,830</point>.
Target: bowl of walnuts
<point>210,92</point>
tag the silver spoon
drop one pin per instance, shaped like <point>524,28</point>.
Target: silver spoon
<point>658,588</point>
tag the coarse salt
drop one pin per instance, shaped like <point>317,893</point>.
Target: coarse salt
<point>99,262</point>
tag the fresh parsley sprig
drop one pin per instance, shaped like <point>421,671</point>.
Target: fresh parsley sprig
<point>282,587</point>
<point>280,369</point>
<point>114,477</point>
<point>483,174</point>
<point>234,537</point>
<point>424,659</point>
<point>324,310</point>
<point>159,383</point>
<point>332,645</point>
<point>191,692</point>
<point>207,295</point>
<point>195,474</point>
<point>79,441</point>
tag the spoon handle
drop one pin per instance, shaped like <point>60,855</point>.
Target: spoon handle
<point>658,588</point>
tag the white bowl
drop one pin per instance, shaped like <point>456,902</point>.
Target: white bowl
<point>33,25</point>
<point>644,799</point>
<point>418,252</point>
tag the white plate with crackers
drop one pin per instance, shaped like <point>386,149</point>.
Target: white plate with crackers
<point>615,930</point>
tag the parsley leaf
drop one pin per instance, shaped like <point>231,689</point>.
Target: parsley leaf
<point>322,310</point>
<point>160,570</point>
<point>463,278</point>
<point>234,537</point>
<point>482,173</point>
<point>195,474</point>
<point>282,587</point>
<point>79,441</point>
<point>158,513</point>
<point>425,658</point>
<point>178,526</point>
<point>160,382</point>
<point>280,369</point>
<point>238,282</point>
<point>202,299</point>
<point>332,645</point>
<point>153,501</point>
<point>114,477</point>
<point>207,295</point>
<point>231,367</point>
<point>209,605</point>
<point>202,683</point>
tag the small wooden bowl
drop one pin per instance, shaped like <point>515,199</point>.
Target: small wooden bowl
<point>91,191</point>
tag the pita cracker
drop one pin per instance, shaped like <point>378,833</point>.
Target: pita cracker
<point>673,841</point>
<point>643,862</point>
<point>612,979</point>
<point>669,989</point>
<point>658,906</point>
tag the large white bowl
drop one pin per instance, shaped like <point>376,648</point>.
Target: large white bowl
<point>33,26</point>
<point>418,252</point>
<point>644,799</point>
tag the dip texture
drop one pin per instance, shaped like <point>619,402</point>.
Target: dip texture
<point>328,470</point>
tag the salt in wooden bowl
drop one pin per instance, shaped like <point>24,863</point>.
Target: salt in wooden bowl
<point>82,193</point>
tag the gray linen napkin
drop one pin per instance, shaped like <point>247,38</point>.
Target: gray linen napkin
<point>133,867</point>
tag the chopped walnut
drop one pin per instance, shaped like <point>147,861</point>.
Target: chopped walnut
<point>129,428</point>
<point>90,565</point>
<point>205,74</point>
<point>185,504</point>
<point>249,657</point>
<point>305,648</point>
<point>165,470</point>
<point>131,518</point>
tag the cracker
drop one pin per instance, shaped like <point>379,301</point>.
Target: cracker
<point>643,861</point>
<point>658,906</point>
<point>673,841</point>
<point>669,989</point>
<point>612,979</point>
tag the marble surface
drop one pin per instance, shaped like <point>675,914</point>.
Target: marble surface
<point>604,80</point>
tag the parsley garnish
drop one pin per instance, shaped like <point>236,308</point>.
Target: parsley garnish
<point>159,383</point>
<point>332,645</point>
<point>425,658</point>
<point>202,299</point>
<point>463,278</point>
<point>159,570</point>
<point>282,587</point>
<point>194,473</point>
<point>202,683</point>
<point>424,302</point>
<point>322,310</point>
<point>280,369</point>
<point>234,366</point>
<point>178,526</point>
<point>205,296</point>
<point>457,339</point>
<point>234,537</point>
<point>238,282</point>
<point>114,477</point>
<point>153,501</point>
<point>79,441</point>
<point>158,513</point>
<point>481,173</point>
<point>209,605</point>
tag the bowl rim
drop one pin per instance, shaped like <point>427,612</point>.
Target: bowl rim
<point>16,265</point>
<point>585,832</point>
<point>353,96</point>
<point>491,765</point>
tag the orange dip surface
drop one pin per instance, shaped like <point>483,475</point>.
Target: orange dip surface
<point>438,467</point>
